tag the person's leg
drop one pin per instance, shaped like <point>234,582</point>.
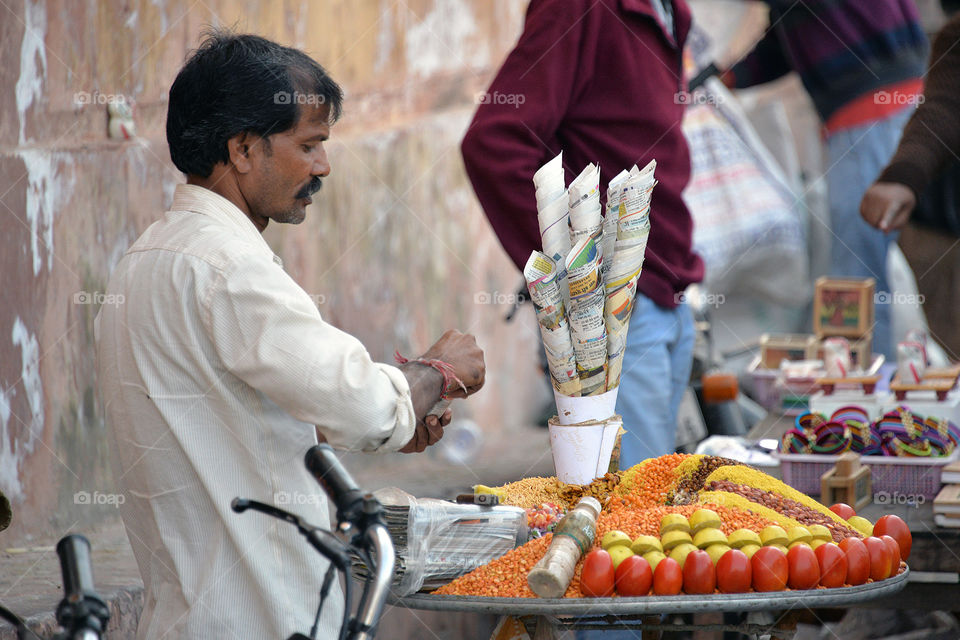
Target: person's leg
<point>855,158</point>
<point>681,359</point>
<point>656,368</point>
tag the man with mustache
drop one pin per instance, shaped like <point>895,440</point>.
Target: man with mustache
<point>218,373</point>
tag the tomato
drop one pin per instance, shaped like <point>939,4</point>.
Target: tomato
<point>880,559</point>
<point>699,575</point>
<point>633,577</point>
<point>843,510</point>
<point>833,565</point>
<point>733,572</point>
<point>858,560</point>
<point>770,569</point>
<point>897,529</point>
<point>597,576</point>
<point>894,550</point>
<point>804,570</point>
<point>668,578</point>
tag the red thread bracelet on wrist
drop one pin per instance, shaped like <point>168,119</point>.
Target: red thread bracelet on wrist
<point>450,379</point>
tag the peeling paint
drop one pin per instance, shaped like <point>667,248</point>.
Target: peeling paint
<point>442,40</point>
<point>31,79</point>
<point>13,450</point>
<point>45,189</point>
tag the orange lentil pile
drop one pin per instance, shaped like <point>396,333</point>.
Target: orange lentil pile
<point>506,577</point>
<point>657,477</point>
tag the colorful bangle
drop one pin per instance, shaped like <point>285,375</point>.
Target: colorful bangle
<point>450,379</point>
<point>795,441</point>
<point>807,422</point>
<point>832,438</point>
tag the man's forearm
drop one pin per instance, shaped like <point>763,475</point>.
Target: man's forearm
<point>426,386</point>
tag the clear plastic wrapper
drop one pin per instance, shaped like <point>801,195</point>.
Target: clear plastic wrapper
<point>437,540</point>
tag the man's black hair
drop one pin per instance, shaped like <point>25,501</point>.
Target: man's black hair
<point>240,83</point>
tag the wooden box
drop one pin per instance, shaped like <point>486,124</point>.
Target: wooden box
<point>775,347</point>
<point>843,307</point>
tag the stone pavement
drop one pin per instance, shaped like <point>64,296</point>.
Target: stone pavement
<point>30,583</point>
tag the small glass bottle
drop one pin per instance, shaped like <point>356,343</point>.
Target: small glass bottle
<point>572,538</point>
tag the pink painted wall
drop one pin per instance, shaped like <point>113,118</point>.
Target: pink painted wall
<point>396,249</point>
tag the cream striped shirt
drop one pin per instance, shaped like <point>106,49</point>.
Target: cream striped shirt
<point>213,371</point>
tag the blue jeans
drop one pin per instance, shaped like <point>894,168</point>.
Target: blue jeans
<point>656,371</point>
<point>855,158</point>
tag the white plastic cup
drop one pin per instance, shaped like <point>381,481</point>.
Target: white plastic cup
<point>584,408</point>
<point>581,452</point>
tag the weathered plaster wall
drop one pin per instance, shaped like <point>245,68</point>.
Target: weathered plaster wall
<point>395,250</point>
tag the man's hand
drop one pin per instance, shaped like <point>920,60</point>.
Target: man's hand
<point>427,433</point>
<point>461,351</point>
<point>887,205</point>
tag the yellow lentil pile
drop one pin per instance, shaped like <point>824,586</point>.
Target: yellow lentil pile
<point>529,492</point>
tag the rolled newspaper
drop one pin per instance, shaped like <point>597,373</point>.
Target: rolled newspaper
<point>541,274</point>
<point>585,314</point>
<point>626,263</point>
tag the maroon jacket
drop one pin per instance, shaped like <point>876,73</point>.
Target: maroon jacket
<point>601,80</point>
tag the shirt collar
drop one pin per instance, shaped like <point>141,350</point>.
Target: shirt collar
<point>191,197</point>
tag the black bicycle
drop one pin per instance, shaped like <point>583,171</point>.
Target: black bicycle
<point>82,614</point>
<point>360,520</point>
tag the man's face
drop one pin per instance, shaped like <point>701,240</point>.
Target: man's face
<point>287,172</point>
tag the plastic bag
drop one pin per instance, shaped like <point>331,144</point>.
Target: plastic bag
<point>437,540</point>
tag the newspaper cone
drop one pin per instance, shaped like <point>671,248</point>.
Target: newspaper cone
<point>586,214</point>
<point>585,315</point>
<point>541,274</point>
<point>581,452</point>
<point>620,280</point>
<point>610,219</point>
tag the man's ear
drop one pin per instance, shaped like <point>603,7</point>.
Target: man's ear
<point>238,147</point>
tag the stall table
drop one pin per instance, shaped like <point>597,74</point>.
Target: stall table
<point>644,613</point>
<point>934,582</point>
